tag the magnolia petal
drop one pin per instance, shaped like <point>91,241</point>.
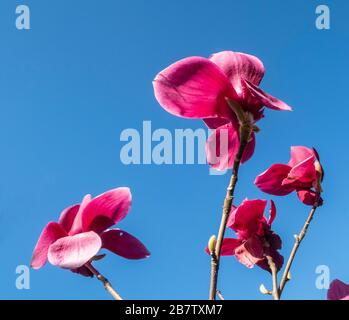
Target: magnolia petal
<point>124,244</point>
<point>67,217</point>
<point>106,210</point>
<point>223,145</point>
<point>338,291</point>
<point>299,154</point>
<point>247,217</point>
<point>72,252</point>
<point>278,259</point>
<point>84,271</point>
<point>308,197</point>
<point>250,252</point>
<point>49,235</point>
<point>266,99</point>
<point>302,175</point>
<point>270,181</point>
<point>272,213</point>
<point>194,87</point>
<point>77,224</point>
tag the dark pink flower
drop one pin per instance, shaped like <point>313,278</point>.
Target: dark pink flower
<point>83,229</point>
<point>255,239</point>
<point>302,174</point>
<point>197,87</point>
<point>338,291</point>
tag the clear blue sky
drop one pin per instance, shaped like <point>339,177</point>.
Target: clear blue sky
<point>84,72</point>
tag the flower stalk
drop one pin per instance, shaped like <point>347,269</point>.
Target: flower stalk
<point>245,133</point>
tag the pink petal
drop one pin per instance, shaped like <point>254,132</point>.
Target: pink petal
<point>123,244</point>
<point>77,223</point>
<point>106,210</point>
<point>49,235</point>
<point>246,219</point>
<point>338,291</point>
<point>222,147</point>
<point>272,213</point>
<point>270,181</point>
<point>302,175</point>
<point>308,197</point>
<point>237,67</point>
<point>299,154</point>
<point>229,245</point>
<point>67,217</point>
<point>250,252</point>
<point>72,252</point>
<point>194,88</point>
<point>266,99</point>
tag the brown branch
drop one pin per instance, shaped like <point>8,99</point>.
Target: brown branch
<point>245,133</point>
<point>298,240</point>
<point>107,285</point>
<point>274,271</point>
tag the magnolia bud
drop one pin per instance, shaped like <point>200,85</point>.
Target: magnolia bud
<point>289,276</point>
<point>212,244</point>
<point>263,289</point>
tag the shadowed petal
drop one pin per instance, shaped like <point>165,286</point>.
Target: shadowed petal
<point>338,291</point>
<point>194,87</point>
<point>246,219</point>
<point>84,271</point>
<point>250,252</point>
<point>308,197</point>
<point>270,181</point>
<point>106,210</point>
<point>72,252</point>
<point>222,147</point>
<point>124,244</point>
<point>277,258</point>
<point>67,217</point>
<point>302,175</point>
<point>272,213</point>
<point>49,235</point>
<point>266,99</point>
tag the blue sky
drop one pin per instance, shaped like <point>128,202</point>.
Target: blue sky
<point>83,73</point>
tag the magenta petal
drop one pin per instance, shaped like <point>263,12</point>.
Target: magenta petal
<point>67,217</point>
<point>266,99</point>
<point>223,145</point>
<point>308,197</point>
<point>250,252</point>
<point>194,88</point>
<point>246,219</point>
<point>277,258</point>
<point>49,235</point>
<point>123,244</point>
<point>299,154</point>
<point>272,213</point>
<point>72,252</point>
<point>77,223</point>
<point>106,210</point>
<point>270,181</point>
<point>84,271</point>
<point>237,66</point>
<point>229,245</point>
<point>338,291</point>
<point>302,175</point>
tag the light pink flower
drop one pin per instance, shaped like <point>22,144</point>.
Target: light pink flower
<point>197,87</point>
<point>83,229</point>
<point>255,239</point>
<point>338,291</point>
<point>302,174</point>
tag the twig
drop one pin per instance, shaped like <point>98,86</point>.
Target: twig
<point>245,133</point>
<point>274,271</point>
<point>107,285</point>
<point>298,240</point>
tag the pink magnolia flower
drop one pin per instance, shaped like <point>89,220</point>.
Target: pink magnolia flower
<point>197,87</point>
<point>83,229</point>
<point>255,238</point>
<point>302,174</point>
<point>338,291</point>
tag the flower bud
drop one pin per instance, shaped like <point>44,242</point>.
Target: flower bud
<point>212,244</point>
<point>263,289</point>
